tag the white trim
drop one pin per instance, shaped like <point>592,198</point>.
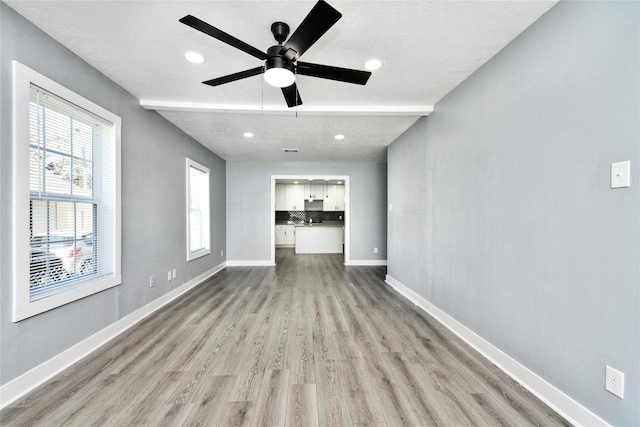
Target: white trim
<point>264,263</point>
<point>362,110</point>
<point>347,209</point>
<point>564,405</point>
<point>367,262</point>
<point>26,382</point>
<point>23,307</point>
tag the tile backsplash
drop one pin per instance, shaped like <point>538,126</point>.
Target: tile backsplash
<point>297,216</point>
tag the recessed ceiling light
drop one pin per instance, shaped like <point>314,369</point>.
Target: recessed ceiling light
<point>339,182</point>
<point>373,64</point>
<point>295,182</point>
<point>326,180</point>
<point>194,57</point>
<point>248,135</point>
<point>339,137</point>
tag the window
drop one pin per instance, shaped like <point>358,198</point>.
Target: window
<point>198,236</point>
<point>66,195</point>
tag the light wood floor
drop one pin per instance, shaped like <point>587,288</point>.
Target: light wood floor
<point>309,342</point>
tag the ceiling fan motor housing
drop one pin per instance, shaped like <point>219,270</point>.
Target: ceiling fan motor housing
<point>280,31</point>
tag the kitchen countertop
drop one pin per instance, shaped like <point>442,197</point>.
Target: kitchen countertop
<point>318,224</point>
<point>315,224</point>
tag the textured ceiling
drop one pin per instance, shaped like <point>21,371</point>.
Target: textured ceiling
<point>427,49</point>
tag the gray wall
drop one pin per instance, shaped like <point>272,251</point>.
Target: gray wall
<point>249,223</point>
<point>503,215</point>
<point>153,204</point>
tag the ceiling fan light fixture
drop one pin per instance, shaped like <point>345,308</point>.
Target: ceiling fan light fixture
<point>279,72</point>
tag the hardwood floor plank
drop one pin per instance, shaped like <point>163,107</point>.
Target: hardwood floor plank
<point>171,415</point>
<point>209,404</point>
<point>236,414</point>
<point>423,401</point>
<point>450,397</point>
<point>302,406</point>
<point>308,342</point>
<point>271,405</point>
<point>363,404</point>
<point>333,413</point>
<point>395,407</point>
<point>150,396</point>
<point>329,383</point>
<point>301,361</point>
<point>251,368</point>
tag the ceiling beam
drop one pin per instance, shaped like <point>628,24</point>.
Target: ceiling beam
<point>360,110</point>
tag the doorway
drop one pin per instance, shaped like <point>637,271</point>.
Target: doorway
<point>306,179</point>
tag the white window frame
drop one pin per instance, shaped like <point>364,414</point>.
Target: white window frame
<point>23,78</point>
<point>206,217</point>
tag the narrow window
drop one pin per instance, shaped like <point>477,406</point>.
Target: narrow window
<point>198,235</point>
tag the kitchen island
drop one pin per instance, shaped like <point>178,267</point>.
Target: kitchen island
<point>319,239</point>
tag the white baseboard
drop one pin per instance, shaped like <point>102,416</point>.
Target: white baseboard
<point>367,262</point>
<point>568,408</point>
<point>26,382</point>
<point>250,264</point>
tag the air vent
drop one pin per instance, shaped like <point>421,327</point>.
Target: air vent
<point>290,150</point>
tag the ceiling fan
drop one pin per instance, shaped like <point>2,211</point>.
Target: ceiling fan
<point>281,61</point>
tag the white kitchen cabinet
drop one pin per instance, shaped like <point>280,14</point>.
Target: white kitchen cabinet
<point>293,196</point>
<point>330,198</point>
<point>340,195</point>
<point>285,235</point>
<point>317,191</point>
<point>281,235</point>
<point>314,191</point>
<point>291,235</point>
<point>281,197</point>
<point>298,197</point>
<point>334,198</point>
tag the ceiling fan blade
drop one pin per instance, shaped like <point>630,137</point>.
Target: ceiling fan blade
<point>291,95</point>
<point>346,75</point>
<point>233,77</point>
<point>202,26</point>
<point>317,22</point>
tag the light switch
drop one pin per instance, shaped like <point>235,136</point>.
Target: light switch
<point>621,174</point>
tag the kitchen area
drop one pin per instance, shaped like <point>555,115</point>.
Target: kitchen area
<point>310,215</point>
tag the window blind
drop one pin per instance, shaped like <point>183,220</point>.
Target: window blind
<point>72,195</point>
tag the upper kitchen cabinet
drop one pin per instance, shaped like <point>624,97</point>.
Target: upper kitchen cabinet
<point>281,197</point>
<point>340,196</point>
<point>314,191</point>
<point>334,198</point>
<point>289,197</point>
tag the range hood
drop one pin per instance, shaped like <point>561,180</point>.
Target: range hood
<point>314,206</point>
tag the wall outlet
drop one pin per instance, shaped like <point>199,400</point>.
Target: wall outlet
<point>614,382</point>
<point>174,273</point>
<point>375,250</point>
<point>169,275</point>
<point>152,281</point>
<point>221,253</point>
